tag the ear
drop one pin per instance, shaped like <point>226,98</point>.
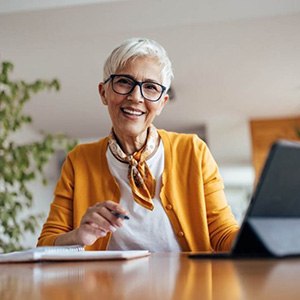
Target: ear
<point>162,104</point>
<point>102,93</point>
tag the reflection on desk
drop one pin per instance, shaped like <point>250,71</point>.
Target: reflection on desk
<point>160,276</point>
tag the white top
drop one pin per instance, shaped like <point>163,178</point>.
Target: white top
<point>146,229</point>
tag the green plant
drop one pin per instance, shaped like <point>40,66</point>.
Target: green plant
<point>20,164</point>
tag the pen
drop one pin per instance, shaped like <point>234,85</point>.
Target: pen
<point>119,215</point>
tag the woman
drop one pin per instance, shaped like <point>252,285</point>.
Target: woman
<point>166,184</point>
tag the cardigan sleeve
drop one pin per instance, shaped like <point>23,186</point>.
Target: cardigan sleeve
<point>60,218</point>
<point>221,222</point>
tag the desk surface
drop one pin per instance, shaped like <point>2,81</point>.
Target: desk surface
<point>159,276</point>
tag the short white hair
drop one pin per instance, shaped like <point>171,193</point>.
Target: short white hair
<point>137,47</point>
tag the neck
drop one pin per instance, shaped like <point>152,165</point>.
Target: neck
<point>131,144</point>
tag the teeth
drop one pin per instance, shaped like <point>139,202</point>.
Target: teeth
<point>132,112</point>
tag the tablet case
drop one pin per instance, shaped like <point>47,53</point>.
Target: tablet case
<point>272,224</point>
<point>269,237</point>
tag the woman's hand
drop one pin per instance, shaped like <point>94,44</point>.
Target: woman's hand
<point>96,223</point>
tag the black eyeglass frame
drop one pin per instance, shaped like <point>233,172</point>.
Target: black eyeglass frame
<point>139,83</point>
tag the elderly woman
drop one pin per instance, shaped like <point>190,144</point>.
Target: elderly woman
<point>140,187</point>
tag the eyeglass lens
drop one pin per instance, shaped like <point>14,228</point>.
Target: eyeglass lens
<point>124,85</point>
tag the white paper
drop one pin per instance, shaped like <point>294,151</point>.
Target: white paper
<point>67,253</point>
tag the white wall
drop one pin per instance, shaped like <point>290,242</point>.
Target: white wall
<point>238,180</point>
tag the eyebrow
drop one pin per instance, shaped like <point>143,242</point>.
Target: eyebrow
<point>145,80</point>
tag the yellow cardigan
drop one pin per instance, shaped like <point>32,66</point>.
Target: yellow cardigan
<point>191,194</point>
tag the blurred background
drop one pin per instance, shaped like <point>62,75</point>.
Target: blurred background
<point>234,62</point>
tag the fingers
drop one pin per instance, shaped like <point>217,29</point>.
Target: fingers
<point>111,205</point>
<point>99,216</point>
<point>112,211</point>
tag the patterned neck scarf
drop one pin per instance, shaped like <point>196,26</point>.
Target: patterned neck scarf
<point>141,181</point>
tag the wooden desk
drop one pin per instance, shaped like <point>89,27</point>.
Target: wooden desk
<point>160,276</point>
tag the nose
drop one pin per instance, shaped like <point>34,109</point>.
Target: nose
<point>136,94</point>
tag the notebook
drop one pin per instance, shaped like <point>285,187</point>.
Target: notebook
<point>271,226</point>
<point>68,253</point>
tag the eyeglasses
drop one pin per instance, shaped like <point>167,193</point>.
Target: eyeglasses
<point>125,84</point>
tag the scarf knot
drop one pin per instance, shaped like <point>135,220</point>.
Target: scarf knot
<point>141,180</point>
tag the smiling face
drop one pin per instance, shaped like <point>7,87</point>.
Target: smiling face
<point>131,114</point>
